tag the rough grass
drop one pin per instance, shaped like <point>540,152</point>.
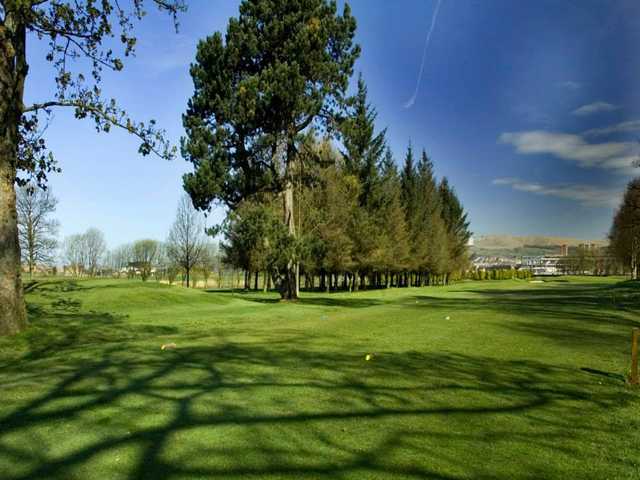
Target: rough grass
<point>523,381</point>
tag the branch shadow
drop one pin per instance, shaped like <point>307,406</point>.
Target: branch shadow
<point>92,396</point>
<point>109,406</point>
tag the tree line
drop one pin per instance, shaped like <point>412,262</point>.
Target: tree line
<point>186,252</point>
<point>312,190</point>
<point>85,254</point>
<point>498,274</point>
<point>358,225</point>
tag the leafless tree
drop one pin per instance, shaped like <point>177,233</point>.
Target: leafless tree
<point>95,248</point>
<point>145,253</point>
<point>208,261</point>
<point>37,231</point>
<point>186,243</point>
<point>119,258</point>
<point>84,252</point>
<point>73,250</point>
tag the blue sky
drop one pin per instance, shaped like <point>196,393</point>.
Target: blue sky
<point>529,107</point>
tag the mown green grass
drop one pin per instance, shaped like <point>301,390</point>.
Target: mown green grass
<point>521,381</point>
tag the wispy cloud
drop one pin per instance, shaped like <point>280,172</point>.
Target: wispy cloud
<point>409,103</point>
<point>624,127</point>
<point>595,107</point>
<point>570,85</point>
<point>587,195</point>
<point>614,156</point>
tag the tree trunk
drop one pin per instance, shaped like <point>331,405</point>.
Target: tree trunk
<point>289,282</point>
<point>13,70</point>
<point>634,258</point>
<point>13,315</point>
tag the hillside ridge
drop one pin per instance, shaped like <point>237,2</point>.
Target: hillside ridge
<point>509,242</point>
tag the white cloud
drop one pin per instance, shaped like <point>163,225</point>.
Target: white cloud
<point>587,195</point>
<point>595,107</point>
<point>624,127</point>
<point>614,156</point>
<point>409,103</point>
<point>570,85</point>
<point>505,181</point>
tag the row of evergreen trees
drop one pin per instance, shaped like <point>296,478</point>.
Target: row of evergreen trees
<point>360,222</point>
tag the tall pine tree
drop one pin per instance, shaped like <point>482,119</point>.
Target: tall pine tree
<point>391,216</point>
<point>457,225</point>
<point>428,234</point>
<point>625,230</point>
<point>281,67</point>
<point>363,148</point>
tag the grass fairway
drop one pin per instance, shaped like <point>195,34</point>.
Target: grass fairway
<point>493,380</point>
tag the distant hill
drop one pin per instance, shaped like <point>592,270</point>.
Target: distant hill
<point>510,245</point>
<point>511,241</point>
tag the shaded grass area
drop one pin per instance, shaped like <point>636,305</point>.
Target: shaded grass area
<point>478,380</point>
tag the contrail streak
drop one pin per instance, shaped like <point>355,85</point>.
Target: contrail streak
<point>412,100</point>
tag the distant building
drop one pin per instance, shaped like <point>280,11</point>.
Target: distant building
<point>470,242</point>
<point>483,262</point>
<point>564,250</point>
<point>547,265</point>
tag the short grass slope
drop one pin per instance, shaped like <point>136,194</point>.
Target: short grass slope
<point>495,380</point>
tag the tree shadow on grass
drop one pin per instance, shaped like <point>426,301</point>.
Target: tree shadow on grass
<point>54,286</point>
<point>325,301</point>
<point>107,406</point>
<point>591,301</point>
<point>593,316</point>
<point>342,302</point>
<point>61,327</point>
<point>620,296</point>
